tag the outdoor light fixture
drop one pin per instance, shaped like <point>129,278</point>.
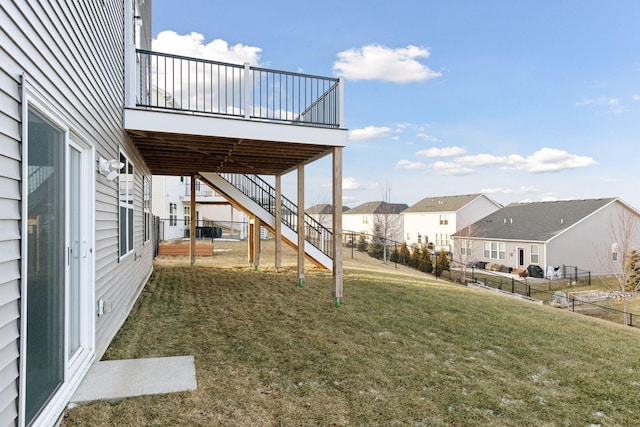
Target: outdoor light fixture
<point>109,168</point>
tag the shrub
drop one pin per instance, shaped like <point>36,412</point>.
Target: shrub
<point>362,243</point>
<point>425,265</point>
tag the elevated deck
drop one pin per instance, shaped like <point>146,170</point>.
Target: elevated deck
<point>195,117</point>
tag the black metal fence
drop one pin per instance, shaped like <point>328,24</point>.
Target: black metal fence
<point>178,229</point>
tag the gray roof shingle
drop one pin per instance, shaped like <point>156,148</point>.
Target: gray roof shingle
<point>378,208</point>
<point>323,209</point>
<point>539,221</point>
<point>442,204</point>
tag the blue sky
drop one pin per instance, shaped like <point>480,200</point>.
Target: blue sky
<point>520,100</point>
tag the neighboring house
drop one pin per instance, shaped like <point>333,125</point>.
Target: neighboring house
<point>580,233</point>
<point>82,129</point>
<point>363,218</point>
<point>323,213</point>
<point>434,219</point>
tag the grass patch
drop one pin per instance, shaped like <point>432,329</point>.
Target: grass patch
<point>402,350</point>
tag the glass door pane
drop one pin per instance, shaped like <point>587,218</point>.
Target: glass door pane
<point>45,265</point>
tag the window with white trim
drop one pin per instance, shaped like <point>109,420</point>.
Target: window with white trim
<point>125,186</point>
<point>465,247</point>
<point>614,252</point>
<point>442,239</point>
<point>535,254</point>
<point>495,250</point>
<point>444,219</point>
<point>173,214</point>
<point>187,215</point>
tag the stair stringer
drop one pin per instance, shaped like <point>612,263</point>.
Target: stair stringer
<point>247,205</point>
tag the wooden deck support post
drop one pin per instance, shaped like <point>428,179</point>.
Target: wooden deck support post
<point>278,224</point>
<point>250,241</point>
<point>192,223</point>
<point>337,224</point>
<point>256,242</point>
<point>300,223</point>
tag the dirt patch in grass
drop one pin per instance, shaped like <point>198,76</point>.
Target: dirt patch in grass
<point>402,350</point>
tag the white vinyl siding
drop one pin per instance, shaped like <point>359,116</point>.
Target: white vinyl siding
<point>72,53</point>
<point>10,200</point>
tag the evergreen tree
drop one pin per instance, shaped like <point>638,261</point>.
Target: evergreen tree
<point>414,260</point>
<point>425,265</point>
<point>633,258</point>
<point>395,255</point>
<point>376,247</point>
<point>362,243</point>
<point>442,262</point>
<point>404,255</point>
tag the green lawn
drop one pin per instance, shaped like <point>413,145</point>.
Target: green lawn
<point>403,349</point>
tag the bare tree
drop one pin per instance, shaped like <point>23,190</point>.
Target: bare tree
<point>324,215</point>
<point>463,250</point>
<point>387,220</point>
<point>620,258</point>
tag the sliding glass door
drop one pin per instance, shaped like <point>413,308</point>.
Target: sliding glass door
<point>58,292</point>
<point>46,263</point>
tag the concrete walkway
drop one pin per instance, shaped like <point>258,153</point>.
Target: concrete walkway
<point>119,379</point>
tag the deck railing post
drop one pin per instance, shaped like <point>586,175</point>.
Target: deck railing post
<point>130,67</point>
<point>341,102</point>
<point>248,88</point>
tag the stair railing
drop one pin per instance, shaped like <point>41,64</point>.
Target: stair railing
<point>264,194</point>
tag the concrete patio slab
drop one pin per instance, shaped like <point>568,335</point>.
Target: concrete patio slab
<point>119,379</point>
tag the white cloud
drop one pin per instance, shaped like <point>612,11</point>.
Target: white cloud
<point>585,102</point>
<point>501,190</point>
<point>487,159</point>
<point>375,62</point>
<point>350,183</point>
<point>636,97</point>
<point>441,152</point>
<point>445,168</point>
<point>409,165</point>
<point>614,105</point>
<point>193,45</point>
<point>551,160</point>
<point>427,137</point>
<point>368,133</point>
<point>544,160</point>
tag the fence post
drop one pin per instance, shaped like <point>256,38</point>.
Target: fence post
<point>631,319</point>
<point>473,273</point>
<point>513,286</point>
<point>589,278</point>
<point>573,304</point>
